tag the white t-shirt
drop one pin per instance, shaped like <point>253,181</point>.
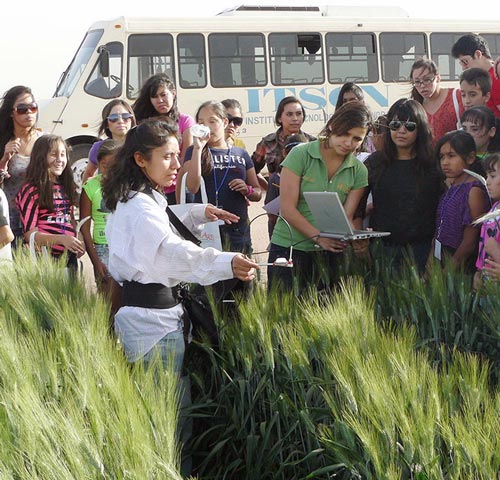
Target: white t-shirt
<point>144,248</point>
<point>5,252</point>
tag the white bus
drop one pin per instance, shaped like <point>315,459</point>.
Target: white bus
<point>257,55</point>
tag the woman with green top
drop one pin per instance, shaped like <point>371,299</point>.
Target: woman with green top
<point>327,164</point>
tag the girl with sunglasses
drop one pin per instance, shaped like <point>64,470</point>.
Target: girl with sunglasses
<point>47,199</point>
<point>18,133</point>
<point>442,105</point>
<point>158,98</point>
<point>234,122</point>
<point>117,119</point>
<point>405,184</point>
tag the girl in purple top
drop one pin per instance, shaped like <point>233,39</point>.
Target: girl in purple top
<point>464,201</point>
<point>158,98</point>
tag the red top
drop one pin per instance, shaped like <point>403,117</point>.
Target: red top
<point>494,101</point>
<point>446,118</point>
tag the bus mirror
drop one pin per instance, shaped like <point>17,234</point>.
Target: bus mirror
<point>103,61</point>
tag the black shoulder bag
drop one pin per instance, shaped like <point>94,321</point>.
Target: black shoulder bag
<point>199,317</point>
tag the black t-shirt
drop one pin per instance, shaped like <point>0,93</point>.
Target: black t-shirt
<point>228,164</point>
<point>404,203</point>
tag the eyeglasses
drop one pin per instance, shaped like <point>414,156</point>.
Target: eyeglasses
<point>114,117</point>
<point>396,125</point>
<point>23,108</point>
<point>236,121</point>
<point>421,83</point>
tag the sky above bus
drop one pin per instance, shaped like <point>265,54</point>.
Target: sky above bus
<point>39,39</point>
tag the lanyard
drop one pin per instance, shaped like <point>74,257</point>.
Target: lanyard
<point>219,186</point>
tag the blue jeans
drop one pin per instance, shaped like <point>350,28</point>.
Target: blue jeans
<point>173,344</point>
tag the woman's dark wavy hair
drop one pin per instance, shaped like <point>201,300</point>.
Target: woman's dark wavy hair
<point>125,175</point>
<point>143,108</point>
<point>106,111</point>
<point>281,108</point>
<point>462,143</point>
<point>349,87</point>
<point>426,64</point>
<point>6,108</point>
<point>347,116</point>
<point>37,173</point>
<point>411,110</point>
<point>483,117</point>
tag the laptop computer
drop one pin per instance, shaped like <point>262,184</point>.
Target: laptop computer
<point>331,219</point>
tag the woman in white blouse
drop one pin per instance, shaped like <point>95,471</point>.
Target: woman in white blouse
<point>146,255</point>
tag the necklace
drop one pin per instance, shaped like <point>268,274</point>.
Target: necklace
<point>228,166</point>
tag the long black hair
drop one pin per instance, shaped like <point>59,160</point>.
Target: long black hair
<point>37,172</point>
<point>6,108</point>
<point>143,108</point>
<point>411,110</point>
<point>126,176</point>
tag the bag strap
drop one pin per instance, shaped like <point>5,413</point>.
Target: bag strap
<point>456,91</point>
<point>204,196</point>
<point>181,228</point>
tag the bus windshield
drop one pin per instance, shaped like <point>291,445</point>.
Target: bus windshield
<point>71,76</point>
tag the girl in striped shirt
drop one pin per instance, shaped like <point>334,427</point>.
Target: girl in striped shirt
<point>47,198</point>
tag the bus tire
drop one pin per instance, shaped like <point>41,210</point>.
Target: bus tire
<point>79,160</point>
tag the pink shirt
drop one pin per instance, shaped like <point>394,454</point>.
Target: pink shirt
<point>57,221</point>
<point>489,229</point>
<point>184,122</point>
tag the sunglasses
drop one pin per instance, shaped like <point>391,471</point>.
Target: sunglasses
<point>23,108</point>
<point>236,121</point>
<point>114,117</point>
<point>396,125</point>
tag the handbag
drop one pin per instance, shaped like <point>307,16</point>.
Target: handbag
<point>199,320</point>
<point>210,233</point>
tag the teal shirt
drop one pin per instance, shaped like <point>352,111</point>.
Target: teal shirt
<point>306,162</point>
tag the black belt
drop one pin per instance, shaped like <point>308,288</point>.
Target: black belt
<point>149,295</point>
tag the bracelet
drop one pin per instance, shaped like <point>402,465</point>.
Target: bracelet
<point>250,190</point>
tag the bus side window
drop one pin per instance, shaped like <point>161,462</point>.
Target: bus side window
<point>105,81</point>
<point>148,54</point>
<point>296,58</point>
<point>441,43</point>
<point>192,62</point>
<point>352,56</point>
<point>399,51</point>
<point>493,40</point>
<point>237,60</point>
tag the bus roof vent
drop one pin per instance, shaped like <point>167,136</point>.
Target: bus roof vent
<point>363,12</point>
<point>253,10</point>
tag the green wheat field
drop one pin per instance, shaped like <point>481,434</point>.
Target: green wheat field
<point>390,376</point>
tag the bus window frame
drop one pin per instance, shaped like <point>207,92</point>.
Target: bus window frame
<point>172,74</point>
<point>188,85</point>
<point>376,54</point>
<point>117,92</point>
<point>425,54</point>
<point>296,81</point>
<point>237,34</point>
